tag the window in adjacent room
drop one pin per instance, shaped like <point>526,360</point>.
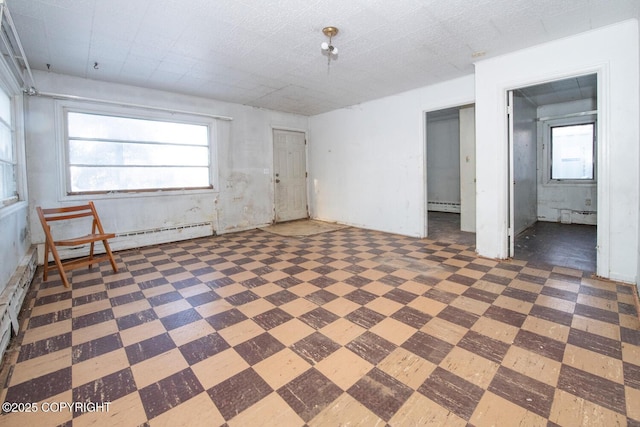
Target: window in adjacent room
<point>113,153</point>
<point>572,152</point>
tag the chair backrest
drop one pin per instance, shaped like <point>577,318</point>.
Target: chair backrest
<point>70,212</point>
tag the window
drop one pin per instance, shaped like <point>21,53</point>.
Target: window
<point>112,153</point>
<point>572,152</point>
<point>8,187</point>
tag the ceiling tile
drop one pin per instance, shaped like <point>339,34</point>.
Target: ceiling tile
<point>243,51</point>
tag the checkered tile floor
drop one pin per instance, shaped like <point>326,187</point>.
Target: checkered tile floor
<point>352,326</point>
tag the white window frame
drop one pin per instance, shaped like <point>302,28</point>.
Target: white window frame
<point>12,91</point>
<point>547,125</point>
<point>64,106</point>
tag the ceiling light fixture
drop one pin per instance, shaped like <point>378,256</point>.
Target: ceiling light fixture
<point>327,48</point>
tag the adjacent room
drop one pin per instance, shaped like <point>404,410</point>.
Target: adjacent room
<point>319,213</point>
<point>555,152</point>
<point>451,171</point>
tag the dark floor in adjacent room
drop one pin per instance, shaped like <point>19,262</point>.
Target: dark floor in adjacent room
<point>568,245</point>
<point>548,243</point>
<point>351,326</point>
<point>445,227</point>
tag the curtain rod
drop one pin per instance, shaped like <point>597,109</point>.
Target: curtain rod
<point>126,104</point>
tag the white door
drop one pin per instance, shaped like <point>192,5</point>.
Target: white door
<point>290,175</point>
<point>511,184</point>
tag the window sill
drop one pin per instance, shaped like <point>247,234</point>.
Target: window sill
<point>570,183</point>
<point>136,194</point>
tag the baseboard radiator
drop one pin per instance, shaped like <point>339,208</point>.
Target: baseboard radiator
<point>568,216</point>
<point>444,206</point>
<point>138,239</point>
<point>12,297</point>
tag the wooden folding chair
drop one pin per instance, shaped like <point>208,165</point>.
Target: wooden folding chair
<point>97,235</point>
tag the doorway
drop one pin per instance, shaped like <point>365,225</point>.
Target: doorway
<point>290,175</point>
<point>553,153</point>
<point>450,148</point>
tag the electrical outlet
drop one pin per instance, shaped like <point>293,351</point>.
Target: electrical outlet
<point>587,202</point>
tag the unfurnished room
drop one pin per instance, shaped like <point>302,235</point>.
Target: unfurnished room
<point>319,213</point>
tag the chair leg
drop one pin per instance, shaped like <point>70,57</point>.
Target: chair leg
<point>111,259</point>
<point>46,260</point>
<point>65,281</point>
<point>91,253</point>
<point>58,262</point>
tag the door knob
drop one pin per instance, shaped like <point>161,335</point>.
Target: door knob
<point>277,181</point>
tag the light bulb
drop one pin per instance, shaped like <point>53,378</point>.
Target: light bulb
<point>334,50</point>
<point>324,46</point>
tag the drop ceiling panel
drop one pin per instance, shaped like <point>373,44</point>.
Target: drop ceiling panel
<point>560,91</point>
<point>243,51</point>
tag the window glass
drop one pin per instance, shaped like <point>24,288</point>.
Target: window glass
<point>6,144</point>
<point>112,153</point>
<point>8,187</point>
<point>5,107</point>
<point>572,149</point>
<point>7,181</point>
<point>82,125</point>
<point>130,154</point>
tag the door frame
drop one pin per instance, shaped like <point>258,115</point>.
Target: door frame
<point>272,171</point>
<point>511,177</point>
<point>603,169</point>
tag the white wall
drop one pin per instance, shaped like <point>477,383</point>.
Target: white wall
<point>612,52</point>
<point>525,165</point>
<point>367,162</point>
<point>243,198</point>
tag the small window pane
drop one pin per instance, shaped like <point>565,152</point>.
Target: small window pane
<point>83,152</point>
<point>84,179</point>
<point>5,107</point>
<point>7,181</point>
<point>8,185</point>
<point>6,144</point>
<point>96,126</point>
<point>572,152</point>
